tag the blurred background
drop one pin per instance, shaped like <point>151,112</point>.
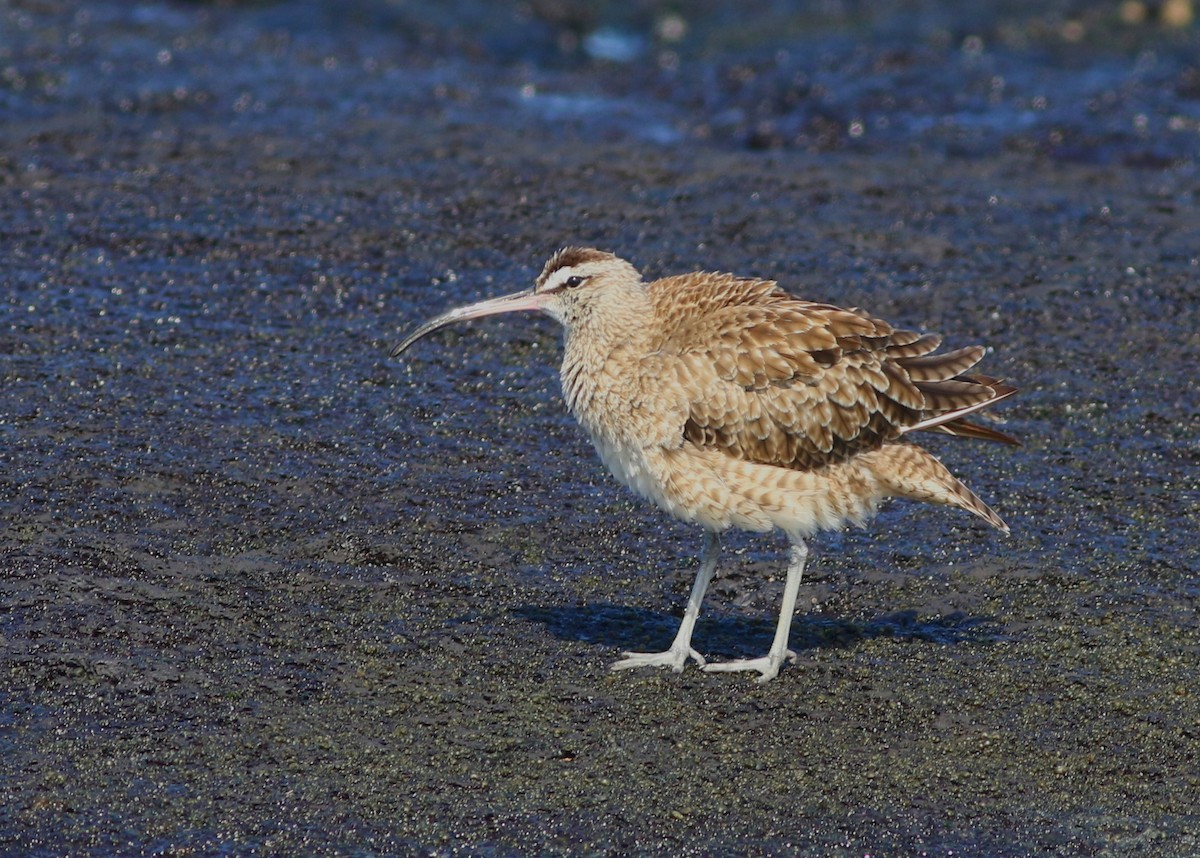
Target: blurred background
<point>1078,80</point>
<point>264,591</point>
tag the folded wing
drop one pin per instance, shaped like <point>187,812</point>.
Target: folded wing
<point>775,380</point>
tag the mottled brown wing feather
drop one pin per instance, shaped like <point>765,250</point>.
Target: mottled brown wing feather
<point>780,381</point>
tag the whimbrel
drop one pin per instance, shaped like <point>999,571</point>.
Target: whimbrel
<point>730,403</point>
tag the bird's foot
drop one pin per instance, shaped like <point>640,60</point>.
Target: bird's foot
<point>674,658</point>
<point>767,665</point>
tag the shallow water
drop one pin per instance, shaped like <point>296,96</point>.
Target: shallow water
<point>265,589</point>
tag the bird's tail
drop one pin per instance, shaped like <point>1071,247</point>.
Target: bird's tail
<point>911,472</point>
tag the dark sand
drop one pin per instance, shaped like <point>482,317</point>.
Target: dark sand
<point>266,592</point>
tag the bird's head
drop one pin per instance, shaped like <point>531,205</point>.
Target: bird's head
<point>573,283</point>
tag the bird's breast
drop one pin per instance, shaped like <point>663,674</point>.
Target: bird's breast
<point>612,407</point>
<point>622,401</point>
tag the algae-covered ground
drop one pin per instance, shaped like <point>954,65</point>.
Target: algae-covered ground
<point>265,591</point>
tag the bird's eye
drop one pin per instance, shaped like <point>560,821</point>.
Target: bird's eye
<point>572,282</point>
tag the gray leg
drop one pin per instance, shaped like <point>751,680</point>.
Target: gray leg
<point>768,665</point>
<point>681,647</point>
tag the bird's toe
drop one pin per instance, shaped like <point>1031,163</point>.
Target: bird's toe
<point>767,667</point>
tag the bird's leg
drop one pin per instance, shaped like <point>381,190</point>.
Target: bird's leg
<point>681,647</point>
<point>768,665</point>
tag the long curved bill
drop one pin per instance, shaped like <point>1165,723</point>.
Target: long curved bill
<point>526,300</point>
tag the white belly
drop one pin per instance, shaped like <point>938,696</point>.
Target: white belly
<point>628,464</point>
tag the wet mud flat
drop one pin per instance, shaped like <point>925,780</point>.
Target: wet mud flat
<point>264,591</point>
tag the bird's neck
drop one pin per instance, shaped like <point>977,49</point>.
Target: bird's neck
<point>603,344</point>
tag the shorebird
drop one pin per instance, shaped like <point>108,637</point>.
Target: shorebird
<point>731,404</point>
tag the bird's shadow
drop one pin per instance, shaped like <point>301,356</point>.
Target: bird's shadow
<point>725,636</point>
